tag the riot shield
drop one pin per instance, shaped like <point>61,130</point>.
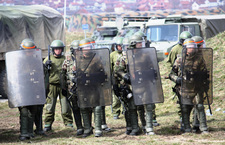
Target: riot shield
<point>93,78</point>
<point>25,78</point>
<point>196,85</point>
<point>144,75</point>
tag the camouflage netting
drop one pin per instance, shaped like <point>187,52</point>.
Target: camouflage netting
<point>40,23</point>
<point>93,20</point>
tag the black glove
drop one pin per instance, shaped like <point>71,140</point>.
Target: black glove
<point>74,80</point>
<point>64,92</point>
<point>178,81</point>
<point>48,63</point>
<point>126,78</point>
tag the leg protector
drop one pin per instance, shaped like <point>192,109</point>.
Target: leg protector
<point>98,121</point>
<point>186,109</point>
<point>202,117</point>
<point>149,118</point>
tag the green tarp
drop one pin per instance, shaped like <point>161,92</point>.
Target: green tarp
<point>40,23</point>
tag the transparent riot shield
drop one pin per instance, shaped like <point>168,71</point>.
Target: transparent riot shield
<point>145,76</point>
<point>25,78</point>
<point>196,85</point>
<point>93,78</point>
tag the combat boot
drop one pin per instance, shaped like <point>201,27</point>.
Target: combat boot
<point>87,133</point>
<point>149,131</point>
<point>80,132</point>
<point>98,121</point>
<point>141,114</point>
<point>128,123</point>
<point>149,119</point>
<point>104,125</point>
<point>24,121</point>
<point>23,138</point>
<point>106,128</point>
<point>134,123</point>
<point>202,118</point>
<point>186,118</point>
<point>88,130</point>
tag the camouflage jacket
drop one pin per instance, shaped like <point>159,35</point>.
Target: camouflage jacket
<point>69,66</point>
<point>114,56</point>
<point>121,63</point>
<point>193,69</point>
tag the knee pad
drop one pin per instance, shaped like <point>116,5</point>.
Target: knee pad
<point>98,109</point>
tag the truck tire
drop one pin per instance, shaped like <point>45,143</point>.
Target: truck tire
<point>3,84</point>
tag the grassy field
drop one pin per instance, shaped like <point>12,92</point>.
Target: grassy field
<point>167,133</point>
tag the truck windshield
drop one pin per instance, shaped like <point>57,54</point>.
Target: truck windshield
<point>162,33</point>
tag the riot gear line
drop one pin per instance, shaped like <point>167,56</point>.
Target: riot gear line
<point>87,79</point>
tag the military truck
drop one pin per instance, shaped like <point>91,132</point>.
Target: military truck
<point>132,25</point>
<point>103,35</point>
<point>113,27</point>
<point>164,32</point>
<point>39,23</point>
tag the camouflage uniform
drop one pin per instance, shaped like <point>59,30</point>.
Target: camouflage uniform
<point>175,51</point>
<point>27,113</point>
<point>87,111</point>
<point>116,106</point>
<point>192,91</point>
<point>55,91</point>
<point>68,73</point>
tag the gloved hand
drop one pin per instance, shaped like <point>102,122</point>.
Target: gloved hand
<point>64,92</point>
<point>178,81</point>
<point>126,78</point>
<point>48,63</point>
<point>74,80</point>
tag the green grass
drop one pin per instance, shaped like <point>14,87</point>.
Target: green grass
<point>167,133</point>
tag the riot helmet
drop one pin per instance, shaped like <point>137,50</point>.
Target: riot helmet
<point>55,46</point>
<point>199,41</point>
<point>144,38</point>
<point>119,43</point>
<point>74,46</point>
<point>136,41</point>
<point>184,35</point>
<point>27,44</point>
<point>86,43</point>
<point>190,46</point>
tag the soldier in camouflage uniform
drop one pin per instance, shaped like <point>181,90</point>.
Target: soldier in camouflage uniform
<point>121,69</point>
<point>200,44</point>
<point>140,108</point>
<point>68,83</point>
<point>27,113</point>
<point>56,61</point>
<point>191,64</point>
<point>116,106</point>
<point>176,50</point>
<point>86,44</point>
